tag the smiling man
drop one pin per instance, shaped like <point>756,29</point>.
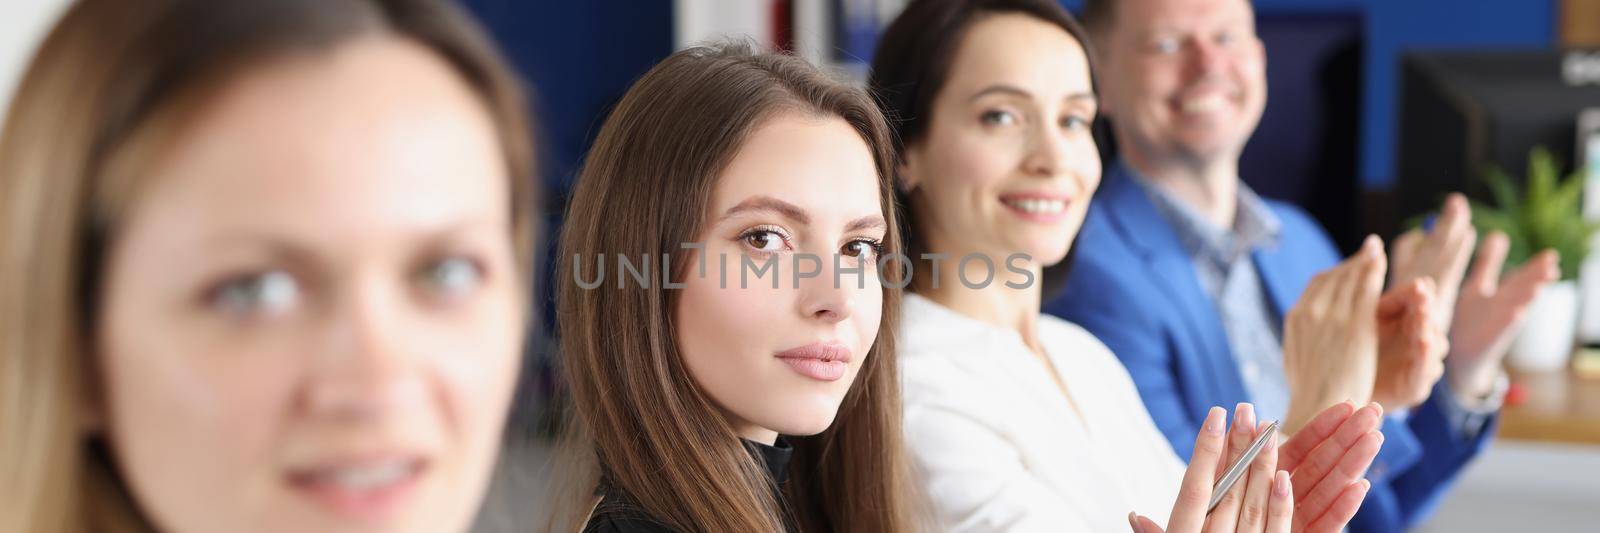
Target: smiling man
<point>1187,275</point>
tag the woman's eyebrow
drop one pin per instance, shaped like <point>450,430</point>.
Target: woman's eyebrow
<point>866,223</point>
<point>768,203</point>
<point>1000,89</point>
<point>1023,93</point>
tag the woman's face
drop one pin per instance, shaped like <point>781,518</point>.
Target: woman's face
<point>312,315</point>
<point>778,360</point>
<point>1007,164</point>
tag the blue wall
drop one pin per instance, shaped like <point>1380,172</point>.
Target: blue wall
<point>582,55</point>
<point>579,58</point>
<point>1397,26</point>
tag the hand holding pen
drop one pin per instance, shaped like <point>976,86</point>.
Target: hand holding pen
<point>1257,492</point>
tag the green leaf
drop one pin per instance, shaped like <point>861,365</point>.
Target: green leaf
<point>1568,195</point>
<point>1541,176</point>
<point>1505,195</point>
<point>1546,214</point>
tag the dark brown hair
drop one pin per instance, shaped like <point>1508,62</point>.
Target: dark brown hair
<point>106,90</point>
<point>912,63</point>
<point>646,188</point>
<point>1098,15</point>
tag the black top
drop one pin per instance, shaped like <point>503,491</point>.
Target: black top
<point>619,514</point>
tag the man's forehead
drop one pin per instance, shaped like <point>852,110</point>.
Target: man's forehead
<point>1150,16</point>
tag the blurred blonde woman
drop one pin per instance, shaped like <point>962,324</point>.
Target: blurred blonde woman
<point>263,267</point>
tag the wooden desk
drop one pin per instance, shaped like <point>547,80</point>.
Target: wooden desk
<point>1557,407</point>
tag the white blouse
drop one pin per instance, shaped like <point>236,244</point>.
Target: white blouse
<point>997,445</point>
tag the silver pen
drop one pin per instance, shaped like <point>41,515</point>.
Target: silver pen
<point>1238,468</point>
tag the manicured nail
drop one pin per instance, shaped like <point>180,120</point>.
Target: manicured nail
<point>1280,484</point>
<point>1213,424</point>
<point>1133,520</point>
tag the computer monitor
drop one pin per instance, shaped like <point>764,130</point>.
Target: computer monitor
<point>1461,111</point>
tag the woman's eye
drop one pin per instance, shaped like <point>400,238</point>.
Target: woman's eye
<point>452,276</point>
<point>1073,122</point>
<point>865,249</point>
<point>1165,45</point>
<point>264,293</point>
<point>998,118</point>
<point>762,240</point>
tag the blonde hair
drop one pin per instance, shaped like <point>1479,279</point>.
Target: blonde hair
<point>107,87</point>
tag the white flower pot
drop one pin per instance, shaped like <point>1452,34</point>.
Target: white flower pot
<point>1548,331</point>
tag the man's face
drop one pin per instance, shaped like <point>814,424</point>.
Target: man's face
<point>1185,79</point>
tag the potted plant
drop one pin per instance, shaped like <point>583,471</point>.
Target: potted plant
<point>1545,214</point>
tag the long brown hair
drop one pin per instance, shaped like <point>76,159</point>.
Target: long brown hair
<point>106,89</point>
<point>645,188</point>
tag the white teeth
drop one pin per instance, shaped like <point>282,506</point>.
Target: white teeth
<point>368,477</point>
<point>1204,104</point>
<point>1038,206</point>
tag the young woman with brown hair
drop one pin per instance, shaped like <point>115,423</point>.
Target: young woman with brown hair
<point>263,267</point>
<point>707,399</point>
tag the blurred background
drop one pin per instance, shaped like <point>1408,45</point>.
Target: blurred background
<point>1376,108</point>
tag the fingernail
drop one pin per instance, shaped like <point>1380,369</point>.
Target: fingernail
<point>1213,424</point>
<point>1280,484</point>
<point>1133,521</point>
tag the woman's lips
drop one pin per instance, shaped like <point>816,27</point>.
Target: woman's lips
<point>367,490</point>
<point>819,361</point>
<point>1046,208</point>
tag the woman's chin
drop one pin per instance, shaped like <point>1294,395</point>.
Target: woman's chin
<point>1048,253</point>
<point>1044,246</point>
<point>817,416</point>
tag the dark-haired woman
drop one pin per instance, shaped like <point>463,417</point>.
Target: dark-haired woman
<point>1023,422</point>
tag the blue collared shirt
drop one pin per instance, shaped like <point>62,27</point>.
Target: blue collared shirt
<point>1222,260</point>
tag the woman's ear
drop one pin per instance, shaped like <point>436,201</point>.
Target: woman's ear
<point>905,171</point>
<point>91,412</point>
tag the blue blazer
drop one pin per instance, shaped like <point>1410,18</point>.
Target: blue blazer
<point>1133,286</point>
